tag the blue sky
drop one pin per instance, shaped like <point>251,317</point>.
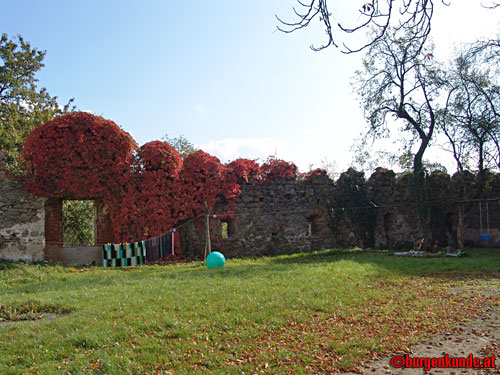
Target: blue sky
<point>217,72</point>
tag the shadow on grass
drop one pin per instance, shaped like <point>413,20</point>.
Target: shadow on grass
<point>484,262</point>
<point>9,264</point>
<point>481,263</point>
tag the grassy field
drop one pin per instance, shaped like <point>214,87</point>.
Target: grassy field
<point>304,314</point>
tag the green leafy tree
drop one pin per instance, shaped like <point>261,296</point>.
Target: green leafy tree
<point>401,80</point>
<point>472,113</point>
<point>78,223</point>
<point>181,144</point>
<point>23,105</point>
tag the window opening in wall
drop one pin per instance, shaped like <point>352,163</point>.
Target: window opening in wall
<point>275,236</point>
<point>312,225</point>
<point>79,224</point>
<point>225,229</point>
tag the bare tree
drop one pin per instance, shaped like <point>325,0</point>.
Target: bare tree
<point>381,15</point>
<point>491,5</point>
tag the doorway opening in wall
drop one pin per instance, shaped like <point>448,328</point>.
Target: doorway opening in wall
<point>451,228</point>
<point>79,223</point>
<point>389,225</point>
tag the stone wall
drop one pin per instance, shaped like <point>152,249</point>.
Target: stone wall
<point>289,216</point>
<point>281,217</point>
<point>75,255</point>
<point>31,227</point>
<point>22,221</point>
<point>278,218</point>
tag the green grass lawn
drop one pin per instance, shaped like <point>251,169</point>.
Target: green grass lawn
<point>303,314</point>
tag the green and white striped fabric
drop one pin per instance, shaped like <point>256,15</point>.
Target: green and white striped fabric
<point>123,255</point>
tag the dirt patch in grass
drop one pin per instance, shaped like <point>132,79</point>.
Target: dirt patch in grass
<point>39,318</point>
<point>30,311</point>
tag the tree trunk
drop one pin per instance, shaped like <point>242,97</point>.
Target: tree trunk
<point>208,245</point>
<point>419,189</point>
<point>460,227</point>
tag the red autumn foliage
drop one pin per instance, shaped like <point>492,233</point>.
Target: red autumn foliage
<point>243,170</point>
<point>148,206</point>
<point>78,156</point>
<point>276,169</point>
<point>148,189</point>
<point>203,179</point>
<point>158,155</point>
<point>314,173</point>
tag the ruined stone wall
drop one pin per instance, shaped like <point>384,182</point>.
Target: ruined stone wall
<point>22,221</point>
<point>74,255</point>
<point>398,224</point>
<point>481,209</point>
<point>290,216</point>
<point>397,220</point>
<point>282,217</point>
<point>31,227</point>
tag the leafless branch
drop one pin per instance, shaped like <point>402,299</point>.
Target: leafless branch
<point>380,14</point>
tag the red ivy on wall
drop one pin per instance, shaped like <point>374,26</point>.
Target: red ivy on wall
<point>78,156</point>
<point>160,156</point>
<point>274,169</point>
<point>243,170</point>
<point>204,179</point>
<point>148,205</point>
<point>149,189</point>
<point>314,173</point>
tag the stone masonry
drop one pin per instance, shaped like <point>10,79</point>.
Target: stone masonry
<point>289,216</point>
<point>22,221</point>
<point>281,217</point>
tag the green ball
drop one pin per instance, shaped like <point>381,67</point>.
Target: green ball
<point>215,260</point>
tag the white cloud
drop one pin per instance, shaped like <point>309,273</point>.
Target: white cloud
<point>250,148</point>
